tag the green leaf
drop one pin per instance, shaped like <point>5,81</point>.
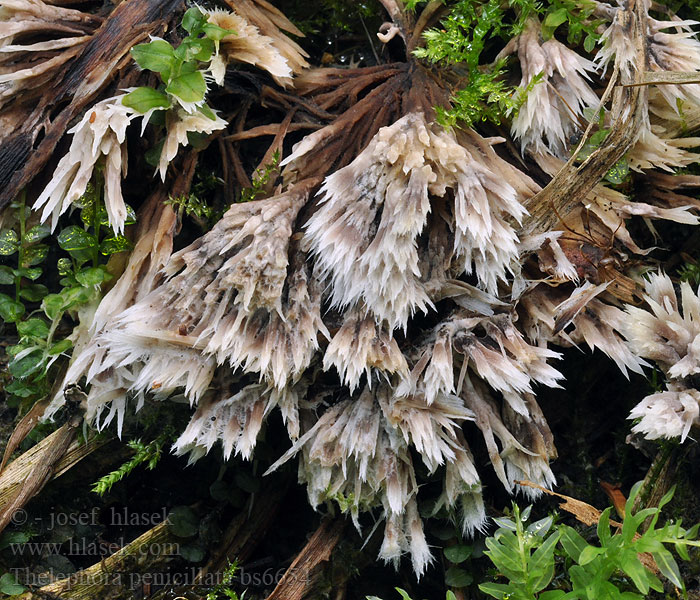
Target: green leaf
<point>7,276</point>
<point>34,255</point>
<point>76,238</point>
<point>403,593</point>
<point>157,56</point>
<point>193,19</point>
<point>9,585</point>
<point>20,389</point>
<point>589,553</point>
<point>556,18</point>
<point>52,306</point>
<point>74,296</point>
<point>572,542</point>
<point>207,112</point>
<point>668,566</point>
<point>33,292</point>
<point>191,553</point>
<point>64,266</point>
<point>90,276</point>
<point>458,553</point>
<point>604,527</point>
<point>60,347</point>
<point>37,233</point>
<point>115,244</point>
<point>541,564</point>
<point>216,33</point>
<point>34,327</point>
<point>32,273</point>
<point>618,173</point>
<point>183,522</point>
<point>589,43</point>
<point>497,590</point>
<point>629,563</point>
<point>189,87</point>
<point>143,99</point>
<point>450,595</point>
<point>27,365</point>
<point>458,578</point>
<point>9,242</point>
<point>10,310</point>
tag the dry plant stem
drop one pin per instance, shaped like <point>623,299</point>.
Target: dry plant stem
<point>571,184</point>
<point>24,477</point>
<point>299,579</point>
<point>111,577</point>
<point>100,59</point>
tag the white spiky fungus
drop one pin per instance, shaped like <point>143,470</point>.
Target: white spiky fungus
<point>357,453</point>
<point>246,45</point>
<point>228,298</point>
<point>235,420</point>
<point>100,133</point>
<point>360,346</point>
<point>555,104</point>
<point>364,235</point>
<point>178,125</point>
<point>668,414</point>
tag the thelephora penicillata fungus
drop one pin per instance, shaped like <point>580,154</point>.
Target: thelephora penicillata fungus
<point>390,257</point>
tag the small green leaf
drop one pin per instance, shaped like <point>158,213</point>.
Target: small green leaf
<point>403,593</point>
<point>64,266</point>
<point>207,112</point>
<point>589,43</point>
<point>35,255</point>
<point>216,33</point>
<point>9,585</point>
<point>556,18</point>
<point>60,347</point>
<point>37,233</point>
<point>52,306</point>
<point>27,365</point>
<point>33,327</point>
<point>459,578</point>
<point>9,242</point>
<point>114,244</point>
<point>143,99</point>
<point>189,87</point>
<point>73,296</point>
<point>157,56</point>
<point>183,522</point>
<point>572,542</point>
<point>90,276</point>
<point>458,553</point>
<point>32,273</point>
<point>34,292</point>
<point>7,276</point>
<point>75,238</point>
<point>10,310</point>
<point>668,566</point>
<point>193,19</point>
<point>20,389</point>
<point>589,554</point>
<point>191,553</point>
<point>501,591</point>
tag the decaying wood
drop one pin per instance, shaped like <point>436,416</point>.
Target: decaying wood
<point>24,477</point>
<point>113,577</point>
<point>301,576</point>
<point>89,73</point>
